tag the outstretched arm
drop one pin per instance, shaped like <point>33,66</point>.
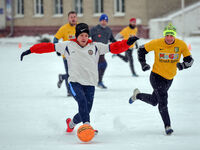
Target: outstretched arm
<point>121,46</point>
<point>39,49</point>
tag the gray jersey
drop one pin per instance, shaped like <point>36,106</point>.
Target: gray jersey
<point>82,62</point>
<point>101,34</point>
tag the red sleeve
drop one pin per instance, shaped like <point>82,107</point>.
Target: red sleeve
<point>119,47</point>
<point>42,48</point>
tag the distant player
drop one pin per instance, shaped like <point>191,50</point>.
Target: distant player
<point>66,32</point>
<point>167,53</point>
<point>102,33</point>
<point>82,55</point>
<point>125,33</point>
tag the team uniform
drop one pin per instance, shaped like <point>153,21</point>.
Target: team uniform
<point>125,34</point>
<point>103,35</point>
<point>166,58</point>
<point>82,68</point>
<point>65,32</point>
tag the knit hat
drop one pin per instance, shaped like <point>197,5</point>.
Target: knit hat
<point>132,19</point>
<point>81,28</point>
<point>103,17</point>
<point>169,30</point>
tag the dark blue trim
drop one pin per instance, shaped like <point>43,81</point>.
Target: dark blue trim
<point>67,50</point>
<point>96,50</point>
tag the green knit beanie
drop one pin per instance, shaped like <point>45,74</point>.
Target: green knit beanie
<point>169,30</point>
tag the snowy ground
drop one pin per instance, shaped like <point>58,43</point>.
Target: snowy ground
<point>33,110</point>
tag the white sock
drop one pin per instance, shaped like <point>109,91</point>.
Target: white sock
<point>72,124</point>
<point>86,123</point>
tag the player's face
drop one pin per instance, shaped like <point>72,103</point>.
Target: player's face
<point>83,39</point>
<point>133,23</point>
<point>103,23</point>
<point>169,39</point>
<point>72,19</point>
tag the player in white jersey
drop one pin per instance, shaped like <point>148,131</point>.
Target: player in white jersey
<point>82,55</point>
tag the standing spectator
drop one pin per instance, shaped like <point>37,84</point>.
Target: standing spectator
<point>125,33</point>
<point>66,32</point>
<point>167,53</point>
<point>102,33</point>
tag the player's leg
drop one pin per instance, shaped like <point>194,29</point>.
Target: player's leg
<point>101,70</point>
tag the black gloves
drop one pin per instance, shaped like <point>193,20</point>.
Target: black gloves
<point>187,62</point>
<point>145,66</point>
<point>25,53</point>
<point>132,39</point>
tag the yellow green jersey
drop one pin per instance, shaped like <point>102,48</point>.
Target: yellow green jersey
<point>66,32</point>
<point>166,56</point>
<point>128,32</point>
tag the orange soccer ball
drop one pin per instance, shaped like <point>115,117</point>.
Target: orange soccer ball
<point>85,133</point>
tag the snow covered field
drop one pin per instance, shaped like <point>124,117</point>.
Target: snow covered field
<point>33,110</point>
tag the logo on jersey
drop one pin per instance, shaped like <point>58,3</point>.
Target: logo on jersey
<point>167,57</point>
<point>176,49</point>
<point>90,52</point>
<point>71,37</point>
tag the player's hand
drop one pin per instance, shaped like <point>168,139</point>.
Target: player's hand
<point>180,66</point>
<point>145,66</point>
<point>132,39</point>
<point>25,53</point>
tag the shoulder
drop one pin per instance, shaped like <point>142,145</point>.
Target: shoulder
<point>108,28</point>
<point>125,29</point>
<point>180,43</point>
<point>95,27</point>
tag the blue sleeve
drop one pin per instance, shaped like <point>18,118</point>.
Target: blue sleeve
<point>55,40</point>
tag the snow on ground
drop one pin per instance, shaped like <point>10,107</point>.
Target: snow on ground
<point>33,110</point>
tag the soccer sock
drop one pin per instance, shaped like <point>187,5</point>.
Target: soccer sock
<point>86,123</point>
<point>72,124</point>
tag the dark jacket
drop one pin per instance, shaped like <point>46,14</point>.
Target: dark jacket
<point>101,34</point>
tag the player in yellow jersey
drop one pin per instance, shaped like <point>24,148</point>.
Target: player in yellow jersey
<point>167,54</point>
<point>125,33</point>
<point>66,32</point>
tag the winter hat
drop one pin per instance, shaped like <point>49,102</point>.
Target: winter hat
<point>81,28</point>
<point>132,19</point>
<point>103,17</point>
<point>169,30</point>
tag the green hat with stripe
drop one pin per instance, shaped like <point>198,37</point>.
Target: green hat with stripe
<point>169,30</point>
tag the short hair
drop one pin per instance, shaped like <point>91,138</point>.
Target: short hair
<point>71,12</point>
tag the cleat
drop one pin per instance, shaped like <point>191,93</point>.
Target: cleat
<point>60,80</point>
<point>68,128</point>
<point>133,98</point>
<point>168,130</point>
<point>101,85</point>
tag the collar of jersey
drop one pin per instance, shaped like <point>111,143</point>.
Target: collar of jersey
<point>75,40</point>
